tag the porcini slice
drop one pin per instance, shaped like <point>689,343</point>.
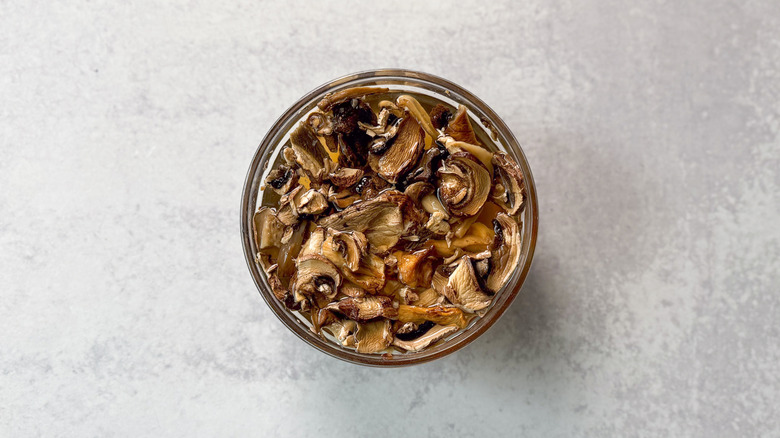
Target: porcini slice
<point>380,219</point>
<point>404,153</point>
<point>464,184</point>
<point>505,253</point>
<point>463,288</point>
<point>309,153</point>
<point>366,308</point>
<point>508,183</point>
<point>316,274</point>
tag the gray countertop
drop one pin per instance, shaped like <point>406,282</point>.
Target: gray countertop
<point>652,307</point>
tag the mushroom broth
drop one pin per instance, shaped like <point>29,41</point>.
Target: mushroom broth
<point>388,220</point>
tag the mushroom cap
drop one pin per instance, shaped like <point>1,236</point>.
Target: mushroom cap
<point>309,202</point>
<point>309,153</point>
<point>505,253</point>
<point>380,219</point>
<point>508,184</point>
<point>344,249</point>
<point>464,184</point>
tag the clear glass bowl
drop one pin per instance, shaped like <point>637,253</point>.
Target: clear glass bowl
<point>413,82</point>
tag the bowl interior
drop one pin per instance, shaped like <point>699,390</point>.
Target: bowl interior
<point>407,81</point>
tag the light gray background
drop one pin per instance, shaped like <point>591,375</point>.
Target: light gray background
<point>652,308</point>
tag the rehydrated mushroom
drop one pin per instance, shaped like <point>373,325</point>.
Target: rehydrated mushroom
<point>315,275</point>
<point>346,177</point>
<point>344,330</point>
<point>440,116</point>
<point>309,153</point>
<point>342,198</point>
<point>429,297</point>
<point>404,153</point>
<point>508,184</point>
<point>291,246</point>
<point>344,248</point>
<point>463,288</point>
<point>380,219</point>
<point>268,229</point>
<point>320,123</point>
<point>280,291</point>
<point>437,314</point>
<point>282,179</point>
<point>373,337</point>
<point>341,96</point>
<point>370,186</point>
<point>287,213</point>
<point>370,274</point>
<point>433,335</point>
<point>416,110</point>
<point>505,252</point>
<point>309,202</point>
<point>321,318</point>
<point>365,309</point>
<point>460,127</point>
<point>415,269</point>
<point>417,191</point>
<point>429,164</point>
<point>482,154</point>
<point>464,184</point>
<point>352,141</point>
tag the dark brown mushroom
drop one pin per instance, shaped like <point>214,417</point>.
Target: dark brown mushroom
<point>464,184</point>
<point>404,153</point>
<point>460,127</point>
<point>440,116</point>
<point>505,252</point>
<point>352,141</point>
<point>370,186</point>
<point>366,308</point>
<point>429,164</point>
<point>508,183</point>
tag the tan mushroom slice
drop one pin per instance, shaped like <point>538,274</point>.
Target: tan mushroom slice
<point>464,184</point>
<point>352,290</point>
<point>483,155</point>
<point>315,274</point>
<point>345,248</point>
<point>342,198</point>
<point>433,335</point>
<point>268,230</point>
<point>416,110</point>
<point>310,154</point>
<point>346,177</point>
<point>373,337</point>
<point>404,153</point>
<point>291,246</point>
<point>463,288</point>
<point>321,318</point>
<point>460,127</point>
<point>313,245</point>
<point>441,276</point>
<point>340,96</point>
<point>343,330</point>
<point>310,202</point>
<point>417,191</point>
<point>366,308</point>
<point>282,179</point>
<point>437,314</point>
<point>508,183</point>
<point>505,253</point>
<point>370,274</point>
<point>380,219</point>
<point>429,297</point>
<point>415,269</point>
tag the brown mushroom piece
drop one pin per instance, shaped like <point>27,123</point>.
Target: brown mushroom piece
<point>440,116</point>
<point>415,269</point>
<point>282,179</point>
<point>505,252</point>
<point>463,288</point>
<point>342,198</point>
<point>508,184</point>
<point>320,123</point>
<point>429,163</point>
<point>436,314</point>
<point>341,96</point>
<point>370,274</point>
<point>310,202</point>
<point>344,248</point>
<point>404,152</point>
<point>287,213</point>
<point>380,219</point>
<point>464,184</point>
<point>315,275</point>
<point>346,177</point>
<point>366,308</point>
<point>291,246</point>
<point>433,335</point>
<point>352,141</point>
<point>309,153</point>
<point>459,127</point>
<point>268,229</point>
<point>416,110</point>
<point>373,337</point>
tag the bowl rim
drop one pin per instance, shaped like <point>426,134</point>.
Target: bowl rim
<point>464,336</point>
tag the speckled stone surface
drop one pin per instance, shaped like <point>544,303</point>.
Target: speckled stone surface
<point>652,307</point>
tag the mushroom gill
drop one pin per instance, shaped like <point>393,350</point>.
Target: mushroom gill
<point>505,251</point>
<point>464,184</point>
<point>508,186</point>
<point>459,127</point>
<point>463,288</point>
<point>403,154</point>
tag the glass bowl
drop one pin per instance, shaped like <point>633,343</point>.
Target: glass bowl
<point>397,80</point>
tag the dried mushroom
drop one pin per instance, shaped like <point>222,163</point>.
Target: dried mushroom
<point>392,225</point>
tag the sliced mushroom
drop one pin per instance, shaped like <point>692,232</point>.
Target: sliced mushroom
<point>371,186</point>
<point>437,224</point>
<point>320,123</point>
<point>309,202</point>
<point>352,141</point>
<point>404,153</point>
<point>440,116</point>
<point>342,198</point>
<point>310,154</point>
<point>464,184</point>
<point>315,274</point>
<point>370,274</point>
<point>429,164</point>
<point>366,308</point>
<point>408,295</point>
<point>344,248</point>
<point>290,248</point>
<point>482,154</point>
<point>463,288</point>
<point>416,110</point>
<point>344,331</point>
<point>268,229</point>
<point>282,179</point>
<point>340,96</point>
<point>433,335</point>
<point>280,292</point>
<point>437,314</point>
<point>415,269</point>
<point>508,183</point>
<point>429,297</point>
<point>460,128</point>
<point>346,177</point>
<point>373,337</point>
<point>313,245</point>
<point>380,219</point>
<point>505,253</point>
<point>321,318</point>
<point>287,213</point>
<point>417,191</point>
<point>352,290</point>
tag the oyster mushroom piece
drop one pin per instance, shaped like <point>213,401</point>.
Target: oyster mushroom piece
<point>373,337</point>
<point>346,177</point>
<point>463,288</point>
<point>315,274</point>
<point>287,213</point>
<point>280,292</point>
<point>435,334</point>
<point>464,184</point>
<point>282,179</point>
<point>366,308</point>
<point>505,252</point>
<point>415,269</point>
<point>380,219</point>
<point>310,154</point>
<point>268,230</point>
<point>508,184</point>
<point>403,154</point>
<point>459,127</point>
<point>340,96</point>
<point>437,314</point>
<point>416,110</point>
<point>344,248</point>
<point>344,331</point>
<point>309,202</point>
<point>370,274</point>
